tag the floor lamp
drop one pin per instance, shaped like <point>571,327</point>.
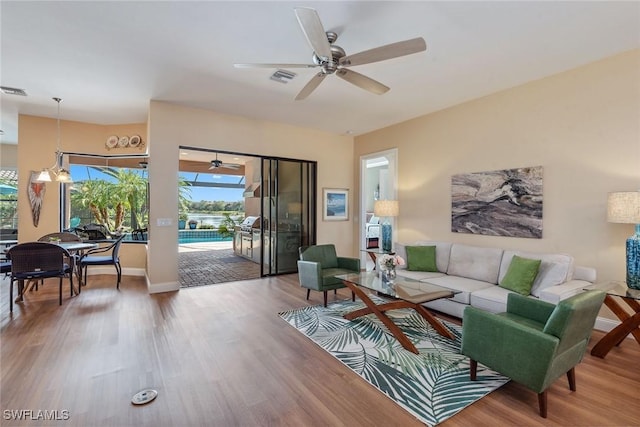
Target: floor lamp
<point>386,209</point>
<point>624,207</point>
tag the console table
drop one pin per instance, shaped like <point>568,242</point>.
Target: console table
<point>629,323</point>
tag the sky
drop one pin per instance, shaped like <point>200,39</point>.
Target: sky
<point>82,173</point>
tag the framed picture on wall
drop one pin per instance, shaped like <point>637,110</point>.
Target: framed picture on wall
<point>335,204</point>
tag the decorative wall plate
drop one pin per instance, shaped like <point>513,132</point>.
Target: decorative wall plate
<point>123,141</point>
<point>134,140</point>
<point>111,142</point>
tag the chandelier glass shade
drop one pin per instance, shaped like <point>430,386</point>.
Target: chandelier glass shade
<point>59,173</point>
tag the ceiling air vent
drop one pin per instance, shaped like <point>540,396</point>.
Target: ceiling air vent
<point>13,91</point>
<point>282,76</point>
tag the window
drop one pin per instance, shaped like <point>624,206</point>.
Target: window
<point>109,192</point>
<point>8,205</point>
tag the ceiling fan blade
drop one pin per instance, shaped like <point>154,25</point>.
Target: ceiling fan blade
<point>314,31</point>
<point>274,65</point>
<point>362,81</point>
<point>311,86</point>
<point>382,53</point>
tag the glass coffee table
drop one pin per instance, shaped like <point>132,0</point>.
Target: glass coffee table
<point>629,324</point>
<point>403,293</point>
<point>374,253</point>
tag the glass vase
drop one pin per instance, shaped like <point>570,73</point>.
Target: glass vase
<point>389,276</point>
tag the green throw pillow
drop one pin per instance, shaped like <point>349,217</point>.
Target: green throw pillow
<point>421,258</point>
<point>521,274</point>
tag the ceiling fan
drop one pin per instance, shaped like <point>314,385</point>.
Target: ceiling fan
<point>332,59</point>
<point>215,164</point>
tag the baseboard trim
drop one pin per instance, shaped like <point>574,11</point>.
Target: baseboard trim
<point>604,324</point>
<point>141,272</point>
<point>109,269</point>
<point>157,288</point>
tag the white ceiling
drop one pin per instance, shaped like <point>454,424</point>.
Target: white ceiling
<point>107,60</point>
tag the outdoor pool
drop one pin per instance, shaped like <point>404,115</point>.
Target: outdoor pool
<point>195,236</point>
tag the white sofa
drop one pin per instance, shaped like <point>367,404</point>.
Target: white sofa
<point>476,272</point>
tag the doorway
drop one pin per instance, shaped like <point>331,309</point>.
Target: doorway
<point>378,181</point>
<point>288,212</point>
<point>262,237</point>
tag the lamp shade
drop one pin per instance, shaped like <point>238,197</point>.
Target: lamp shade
<point>44,176</point>
<point>624,207</point>
<point>384,208</point>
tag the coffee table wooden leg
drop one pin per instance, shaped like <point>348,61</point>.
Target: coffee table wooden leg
<point>373,308</point>
<point>437,324</point>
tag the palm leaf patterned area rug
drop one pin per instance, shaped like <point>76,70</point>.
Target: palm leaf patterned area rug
<point>433,385</point>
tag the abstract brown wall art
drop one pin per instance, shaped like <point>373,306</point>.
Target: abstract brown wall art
<point>498,203</point>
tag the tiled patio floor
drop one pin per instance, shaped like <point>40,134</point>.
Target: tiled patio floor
<point>208,263</point>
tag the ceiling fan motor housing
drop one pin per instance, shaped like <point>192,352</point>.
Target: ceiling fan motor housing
<point>329,67</point>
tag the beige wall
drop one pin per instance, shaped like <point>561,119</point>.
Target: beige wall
<point>582,126</point>
<point>171,126</point>
<point>37,137</point>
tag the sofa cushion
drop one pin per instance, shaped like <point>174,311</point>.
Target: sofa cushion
<point>554,268</point>
<point>520,275</point>
<point>443,249</point>
<point>421,258</point>
<point>475,262</point>
<point>464,285</point>
<point>492,298</point>
<point>418,275</point>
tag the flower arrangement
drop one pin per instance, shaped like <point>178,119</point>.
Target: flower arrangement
<point>390,261</point>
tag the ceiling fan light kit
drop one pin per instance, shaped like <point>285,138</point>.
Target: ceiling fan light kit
<point>332,59</point>
<point>215,164</point>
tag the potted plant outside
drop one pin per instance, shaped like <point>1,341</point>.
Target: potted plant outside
<point>182,221</point>
<point>193,224</point>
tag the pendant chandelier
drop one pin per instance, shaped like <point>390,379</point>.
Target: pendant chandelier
<point>59,173</point>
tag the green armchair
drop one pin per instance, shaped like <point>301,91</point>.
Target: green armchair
<point>318,266</point>
<point>534,342</point>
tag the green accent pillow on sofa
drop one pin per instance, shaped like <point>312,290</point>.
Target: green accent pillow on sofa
<point>520,275</point>
<point>421,258</point>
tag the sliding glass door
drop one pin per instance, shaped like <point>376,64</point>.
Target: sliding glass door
<point>288,212</point>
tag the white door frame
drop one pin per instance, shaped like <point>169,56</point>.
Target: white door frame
<point>392,193</point>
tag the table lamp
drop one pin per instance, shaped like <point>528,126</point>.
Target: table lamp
<point>624,207</point>
<point>386,209</point>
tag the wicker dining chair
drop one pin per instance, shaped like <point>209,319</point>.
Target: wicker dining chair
<point>36,261</point>
<point>64,236</point>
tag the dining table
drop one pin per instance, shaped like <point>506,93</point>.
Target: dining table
<point>76,249</point>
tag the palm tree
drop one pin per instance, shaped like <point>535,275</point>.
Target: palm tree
<point>128,194</point>
<point>94,195</point>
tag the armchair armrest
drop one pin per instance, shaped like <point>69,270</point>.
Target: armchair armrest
<point>529,308</point>
<point>310,274</point>
<point>555,294</point>
<point>349,263</point>
<point>508,347</point>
